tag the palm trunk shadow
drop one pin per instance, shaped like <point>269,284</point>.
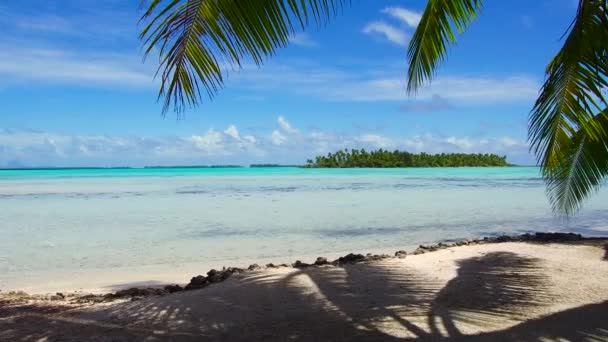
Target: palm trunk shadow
<point>487,291</point>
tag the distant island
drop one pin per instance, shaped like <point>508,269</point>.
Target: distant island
<point>384,158</point>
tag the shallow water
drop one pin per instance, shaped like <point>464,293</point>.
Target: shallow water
<point>80,223</point>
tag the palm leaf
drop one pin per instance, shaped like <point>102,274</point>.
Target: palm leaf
<point>564,114</point>
<point>198,40</point>
<point>579,169</point>
<point>434,33</point>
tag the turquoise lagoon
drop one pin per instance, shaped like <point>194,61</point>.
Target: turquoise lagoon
<point>87,228</point>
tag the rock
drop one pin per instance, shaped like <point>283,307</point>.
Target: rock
<point>253,267</point>
<point>197,282</point>
<point>503,238</point>
<point>350,258</point>
<point>321,261</point>
<point>135,292</point>
<point>270,265</point>
<point>215,276</point>
<point>56,297</point>
<point>299,264</point>
<point>173,288</point>
<point>544,237</point>
<point>401,254</point>
<point>376,257</point>
<point>419,250</point>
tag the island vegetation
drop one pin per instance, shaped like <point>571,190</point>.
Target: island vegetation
<point>396,158</point>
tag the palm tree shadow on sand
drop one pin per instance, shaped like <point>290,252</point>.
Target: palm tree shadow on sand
<point>489,299</point>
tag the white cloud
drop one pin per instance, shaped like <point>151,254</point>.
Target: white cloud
<point>286,126</point>
<point>408,17</point>
<point>376,140</point>
<point>61,66</point>
<point>303,39</point>
<point>233,132</point>
<point>386,84</point>
<point>34,148</point>
<point>278,138</point>
<point>212,142</point>
<point>387,31</point>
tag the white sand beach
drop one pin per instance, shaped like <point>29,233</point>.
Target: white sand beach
<point>512,291</point>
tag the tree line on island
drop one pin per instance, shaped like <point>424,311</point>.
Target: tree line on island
<point>396,158</point>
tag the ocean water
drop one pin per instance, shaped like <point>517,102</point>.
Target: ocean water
<point>87,228</point>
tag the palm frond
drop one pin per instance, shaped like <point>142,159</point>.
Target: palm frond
<point>197,40</point>
<point>428,47</point>
<point>579,169</point>
<point>567,105</point>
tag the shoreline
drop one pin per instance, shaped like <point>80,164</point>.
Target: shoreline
<point>530,288</point>
<point>142,288</point>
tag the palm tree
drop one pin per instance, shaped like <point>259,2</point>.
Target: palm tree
<point>199,40</point>
<point>568,126</point>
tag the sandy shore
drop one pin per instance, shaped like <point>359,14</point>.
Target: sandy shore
<point>513,291</point>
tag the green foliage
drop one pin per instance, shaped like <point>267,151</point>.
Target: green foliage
<point>579,168</point>
<point>198,40</point>
<point>429,44</point>
<point>567,124</point>
<point>385,158</point>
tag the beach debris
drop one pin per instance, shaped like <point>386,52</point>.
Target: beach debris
<point>253,267</point>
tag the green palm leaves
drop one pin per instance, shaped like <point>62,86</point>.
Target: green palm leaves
<point>198,40</point>
<point>568,125</point>
<point>579,169</point>
<point>429,44</point>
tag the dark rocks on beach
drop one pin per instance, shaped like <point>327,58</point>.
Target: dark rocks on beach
<point>197,282</point>
<point>173,288</point>
<point>214,276</point>
<point>135,292</point>
<point>350,259</point>
<point>419,250</point>
<point>321,261</point>
<point>299,264</point>
<point>376,257</point>
<point>557,237</point>
<point>401,254</point>
<point>253,267</point>
<point>270,265</point>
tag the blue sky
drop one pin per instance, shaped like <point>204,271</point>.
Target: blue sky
<point>74,90</point>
